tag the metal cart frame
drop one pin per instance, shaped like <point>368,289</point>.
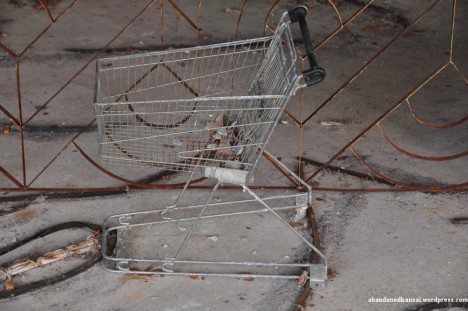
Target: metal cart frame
<point>214,118</point>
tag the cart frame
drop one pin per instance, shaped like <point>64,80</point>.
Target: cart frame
<point>206,121</point>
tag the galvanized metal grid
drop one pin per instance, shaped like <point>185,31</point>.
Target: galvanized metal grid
<point>213,105</point>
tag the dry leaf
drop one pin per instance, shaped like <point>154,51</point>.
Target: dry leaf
<point>227,151</point>
<point>331,273</point>
<point>95,233</point>
<point>211,125</point>
<point>220,120</point>
<point>302,279</point>
<point>155,268</point>
<point>295,224</point>
<point>304,227</point>
<point>6,129</point>
<point>432,210</point>
<point>10,285</point>
<point>196,277</point>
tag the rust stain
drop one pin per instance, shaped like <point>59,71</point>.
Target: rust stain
<point>331,273</point>
<point>136,295</point>
<point>128,277</point>
<point>26,213</point>
<point>246,277</point>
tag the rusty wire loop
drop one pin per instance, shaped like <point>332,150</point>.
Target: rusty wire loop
<point>434,125</point>
<point>461,186</point>
<point>418,156</point>
<point>165,7</point>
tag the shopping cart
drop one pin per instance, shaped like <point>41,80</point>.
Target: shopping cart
<point>209,110</point>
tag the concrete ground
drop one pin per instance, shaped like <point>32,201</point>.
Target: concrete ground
<point>379,243</point>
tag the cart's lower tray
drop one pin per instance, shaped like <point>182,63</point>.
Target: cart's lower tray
<point>241,239</point>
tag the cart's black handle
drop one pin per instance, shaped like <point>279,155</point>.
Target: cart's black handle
<point>314,74</point>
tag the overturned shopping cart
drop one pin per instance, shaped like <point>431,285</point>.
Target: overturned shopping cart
<point>205,110</point>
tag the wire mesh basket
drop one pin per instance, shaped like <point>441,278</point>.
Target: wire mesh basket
<point>208,106</point>
<point>211,109</point>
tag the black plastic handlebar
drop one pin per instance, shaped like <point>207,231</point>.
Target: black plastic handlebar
<point>314,74</point>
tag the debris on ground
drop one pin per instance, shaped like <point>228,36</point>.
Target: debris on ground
<point>143,277</point>
<point>89,246</point>
<point>233,11</point>
<point>302,279</point>
<point>331,123</point>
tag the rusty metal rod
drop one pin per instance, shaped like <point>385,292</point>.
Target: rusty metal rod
<point>347,171</point>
